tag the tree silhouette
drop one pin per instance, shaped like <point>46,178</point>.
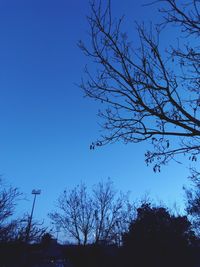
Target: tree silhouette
<point>156,238</point>
<point>112,213</point>
<point>8,199</point>
<point>147,92</point>
<point>75,215</point>
<point>192,194</point>
<point>99,217</point>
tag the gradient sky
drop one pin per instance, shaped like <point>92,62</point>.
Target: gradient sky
<point>47,125</point>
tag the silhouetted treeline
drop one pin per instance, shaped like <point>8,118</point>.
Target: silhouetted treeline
<point>111,232</point>
<point>155,238</point>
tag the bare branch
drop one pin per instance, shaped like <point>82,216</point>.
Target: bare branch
<point>145,92</point>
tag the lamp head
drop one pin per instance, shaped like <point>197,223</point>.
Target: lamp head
<point>36,192</point>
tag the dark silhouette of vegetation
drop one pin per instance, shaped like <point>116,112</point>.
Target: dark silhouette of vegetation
<point>99,217</point>
<point>46,239</point>
<point>157,238</point>
<point>16,230</point>
<point>120,234</point>
<point>12,229</point>
<point>8,199</point>
<point>193,201</point>
<point>149,92</point>
<point>153,237</point>
<point>37,230</point>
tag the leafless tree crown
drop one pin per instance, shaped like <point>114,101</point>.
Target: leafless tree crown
<point>93,218</point>
<point>148,93</point>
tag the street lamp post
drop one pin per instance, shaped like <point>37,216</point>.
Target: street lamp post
<point>35,193</point>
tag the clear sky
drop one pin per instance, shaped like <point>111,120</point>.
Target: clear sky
<point>46,126</point>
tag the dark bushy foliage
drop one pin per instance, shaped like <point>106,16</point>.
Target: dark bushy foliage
<point>157,238</point>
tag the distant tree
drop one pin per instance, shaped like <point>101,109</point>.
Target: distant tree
<point>37,230</point>
<point>157,238</point>
<point>8,199</point>
<point>192,194</point>
<point>75,215</point>
<point>46,239</point>
<point>98,217</point>
<point>16,231</point>
<point>148,92</point>
<point>112,213</point>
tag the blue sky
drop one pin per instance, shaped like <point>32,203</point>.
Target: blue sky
<point>47,125</point>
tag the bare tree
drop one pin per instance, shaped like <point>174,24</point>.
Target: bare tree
<point>100,217</point>
<point>8,199</point>
<point>147,92</point>
<point>76,214</point>
<point>37,230</point>
<point>112,213</point>
<point>16,231</point>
